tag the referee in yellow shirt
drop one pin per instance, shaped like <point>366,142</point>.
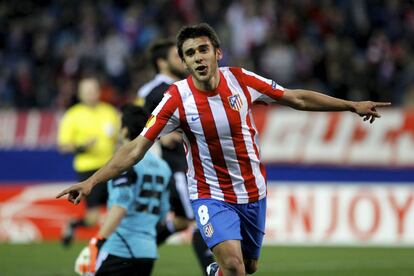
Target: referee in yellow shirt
<point>89,130</point>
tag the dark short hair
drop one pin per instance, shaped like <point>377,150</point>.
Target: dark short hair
<point>202,29</point>
<point>134,119</point>
<point>159,50</point>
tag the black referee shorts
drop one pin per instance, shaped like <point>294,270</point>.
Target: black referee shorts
<point>99,194</point>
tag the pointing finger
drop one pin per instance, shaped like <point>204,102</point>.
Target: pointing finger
<point>62,193</point>
<point>381,104</point>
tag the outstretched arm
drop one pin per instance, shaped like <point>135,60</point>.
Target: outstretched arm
<point>314,101</point>
<point>124,158</point>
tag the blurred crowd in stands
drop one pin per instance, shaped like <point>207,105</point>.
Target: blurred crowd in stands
<point>352,49</point>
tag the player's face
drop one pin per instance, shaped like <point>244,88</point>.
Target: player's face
<point>175,64</point>
<point>201,58</point>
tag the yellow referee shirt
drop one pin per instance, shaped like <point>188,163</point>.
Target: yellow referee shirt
<point>80,124</point>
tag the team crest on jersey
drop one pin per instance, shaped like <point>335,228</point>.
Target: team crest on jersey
<point>208,230</point>
<point>235,102</point>
<point>151,121</point>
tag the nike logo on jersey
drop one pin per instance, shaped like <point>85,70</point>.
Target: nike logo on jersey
<point>195,118</point>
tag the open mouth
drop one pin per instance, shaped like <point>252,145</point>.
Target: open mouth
<point>202,69</point>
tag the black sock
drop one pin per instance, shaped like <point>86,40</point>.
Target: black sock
<point>164,230</point>
<point>203,253</point>
<point>69,231</point>
<point>78,222</point>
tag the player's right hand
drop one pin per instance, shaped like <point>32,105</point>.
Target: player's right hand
<point>86,261</point>
<point>94,246</point>
<point>83,262</point>
<point>367,109</point>
<point>76,192</point>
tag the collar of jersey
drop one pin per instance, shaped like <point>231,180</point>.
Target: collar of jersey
<point>193,88</point>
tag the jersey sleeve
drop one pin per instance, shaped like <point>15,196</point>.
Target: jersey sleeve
<point>165,117</point>
<point>261,89</point>
<point>122,190</point>
<point>66,129</point>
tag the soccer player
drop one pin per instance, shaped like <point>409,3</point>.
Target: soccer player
<point>169,68</point>
<point>138,199</point>
<point>226,178</point>
<point>89,130</point>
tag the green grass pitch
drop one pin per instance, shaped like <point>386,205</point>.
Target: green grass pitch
<point>50,259</point>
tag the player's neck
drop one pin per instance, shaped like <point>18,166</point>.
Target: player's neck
<point>208,85</point>
<point>170,75</point>
<point>91,105</point>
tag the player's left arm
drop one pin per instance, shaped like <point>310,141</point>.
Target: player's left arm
<point>121,195</point>
<point>114,217</point>
<point>112,220</point>
<point>313,101</point>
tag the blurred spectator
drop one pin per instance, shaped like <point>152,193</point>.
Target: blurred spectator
<point>115,53</point>
<point>356,49</point>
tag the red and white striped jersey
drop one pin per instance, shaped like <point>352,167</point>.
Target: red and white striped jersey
<point>220,137</point>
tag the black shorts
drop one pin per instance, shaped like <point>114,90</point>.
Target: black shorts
<point>114,265</point>
<point>99,193</point>
<point>179,199</point>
